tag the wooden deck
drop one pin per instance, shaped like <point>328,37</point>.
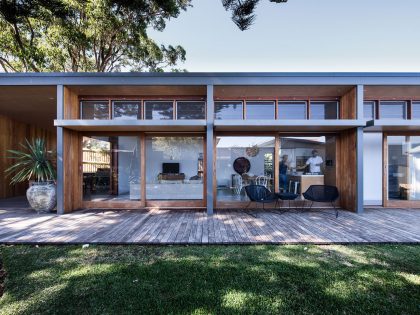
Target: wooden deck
<point>154,226</point>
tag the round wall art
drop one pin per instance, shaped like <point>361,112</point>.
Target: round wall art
<point>252,151</point>
<point>241,165</point>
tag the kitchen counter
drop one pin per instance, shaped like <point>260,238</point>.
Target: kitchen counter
<point>306,181</point>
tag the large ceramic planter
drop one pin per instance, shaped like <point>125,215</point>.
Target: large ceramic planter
<point>42,196</point>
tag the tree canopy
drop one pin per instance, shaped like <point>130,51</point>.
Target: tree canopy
<point>86,35</point>
<point>96,35</point>
<point>243,11</point>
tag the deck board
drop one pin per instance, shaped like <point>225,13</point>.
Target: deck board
<point>160,226</point>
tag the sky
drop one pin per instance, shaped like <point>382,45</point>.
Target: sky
<point>300,35</point>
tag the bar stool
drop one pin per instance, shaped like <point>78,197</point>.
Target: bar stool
<point>295,184</point>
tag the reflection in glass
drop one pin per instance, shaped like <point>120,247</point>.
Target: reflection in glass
<point>403,167</point>
<point>415,110</point>
<point>111,168</point>
<point>230,180</point>
<point>190,110</point>
<point>324,110</point>
<point>392,110</point>
<point>159,110</point>
<point>174,168</point>
<point>369,110</point>
<point>306,161</point>
<point>260,110</point>
<point>95,109</point>
<point>228,110</point>
<point>292,110</point>
<point>126,110</point>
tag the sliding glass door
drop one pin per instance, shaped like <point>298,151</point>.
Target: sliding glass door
<point>242,161</point>
<point>402,169</point>
<point>111,168</point>
<point>137,169</point>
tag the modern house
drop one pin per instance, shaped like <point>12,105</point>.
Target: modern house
<point>185,140</point>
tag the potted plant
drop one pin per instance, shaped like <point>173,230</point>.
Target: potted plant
<point>36,165</point>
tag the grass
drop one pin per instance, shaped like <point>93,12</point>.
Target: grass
<point>211,280</point>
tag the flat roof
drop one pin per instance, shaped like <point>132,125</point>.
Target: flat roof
<point>215,78</point>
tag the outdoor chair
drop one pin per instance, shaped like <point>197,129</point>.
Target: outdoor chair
<point>322,193</point>
<point>260,194</point>
<point>237,184</point>
<point>262,180</point>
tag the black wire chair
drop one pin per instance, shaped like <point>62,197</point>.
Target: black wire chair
<point>260,194</point>
<point>322,193</point>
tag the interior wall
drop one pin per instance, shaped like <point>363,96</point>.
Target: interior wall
<point>372,169</point>
<point>226,157</point>
<point>12,133</point>
<point>184,151</point>
<point>128,163</point>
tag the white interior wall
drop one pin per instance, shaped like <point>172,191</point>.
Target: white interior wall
<point>226,157</point>
<point>372,168</point>
<point>184,151</point>
<point>128,163</point>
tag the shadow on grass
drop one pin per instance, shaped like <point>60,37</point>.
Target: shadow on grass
<point>215,280</point>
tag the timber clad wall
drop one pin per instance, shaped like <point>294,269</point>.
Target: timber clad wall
<point>348,105</point>
<point>346,170</point>
<point>72,174</point>
<point>12,133</point>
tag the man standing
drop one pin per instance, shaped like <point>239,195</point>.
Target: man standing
<point>315,162</point>
<point>284,166</point>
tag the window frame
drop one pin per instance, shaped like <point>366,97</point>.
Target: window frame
<point>81,105</point>
<point>337,103</point>
<point>128,101</point>
<point>230,101</point>
<point>159,101</point>
<point>273,102</point>
<point>302,102</point>
<point>190,101</point>
<point>375,113</point>
<point>406,108</point>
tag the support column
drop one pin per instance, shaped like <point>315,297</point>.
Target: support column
<point>210,149</point>
<point>359,152</point>
<point>60,137</point>
<point>360,101</point>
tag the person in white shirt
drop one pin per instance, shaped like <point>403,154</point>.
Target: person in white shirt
<point>314,162</point>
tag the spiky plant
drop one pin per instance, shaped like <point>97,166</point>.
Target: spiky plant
<point>34,162</point>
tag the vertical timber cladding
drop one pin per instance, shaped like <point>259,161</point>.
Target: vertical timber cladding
<point>347,169</point>
<point>72,186</point>
<point>348,105</point>
<point>12,133</point>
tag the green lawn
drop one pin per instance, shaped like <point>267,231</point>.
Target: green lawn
<point>211,280</point>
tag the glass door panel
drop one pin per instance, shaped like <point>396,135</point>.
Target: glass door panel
<point>403,167</point>
<point>306,161</point>
<point>111,168</point>
<point>242,161</point>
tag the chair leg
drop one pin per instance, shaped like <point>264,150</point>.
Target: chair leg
<point>310,207</point>
<point>248,205</point>
<point>335,209</point>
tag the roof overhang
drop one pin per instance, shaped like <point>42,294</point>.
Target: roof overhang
<point>203,78</point>
<point>132,125</point>
<point>288,125</point>
<point>392,125</point>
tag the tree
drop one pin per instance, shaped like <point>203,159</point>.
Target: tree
<point>243,11</point>
<point>86,35</point>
